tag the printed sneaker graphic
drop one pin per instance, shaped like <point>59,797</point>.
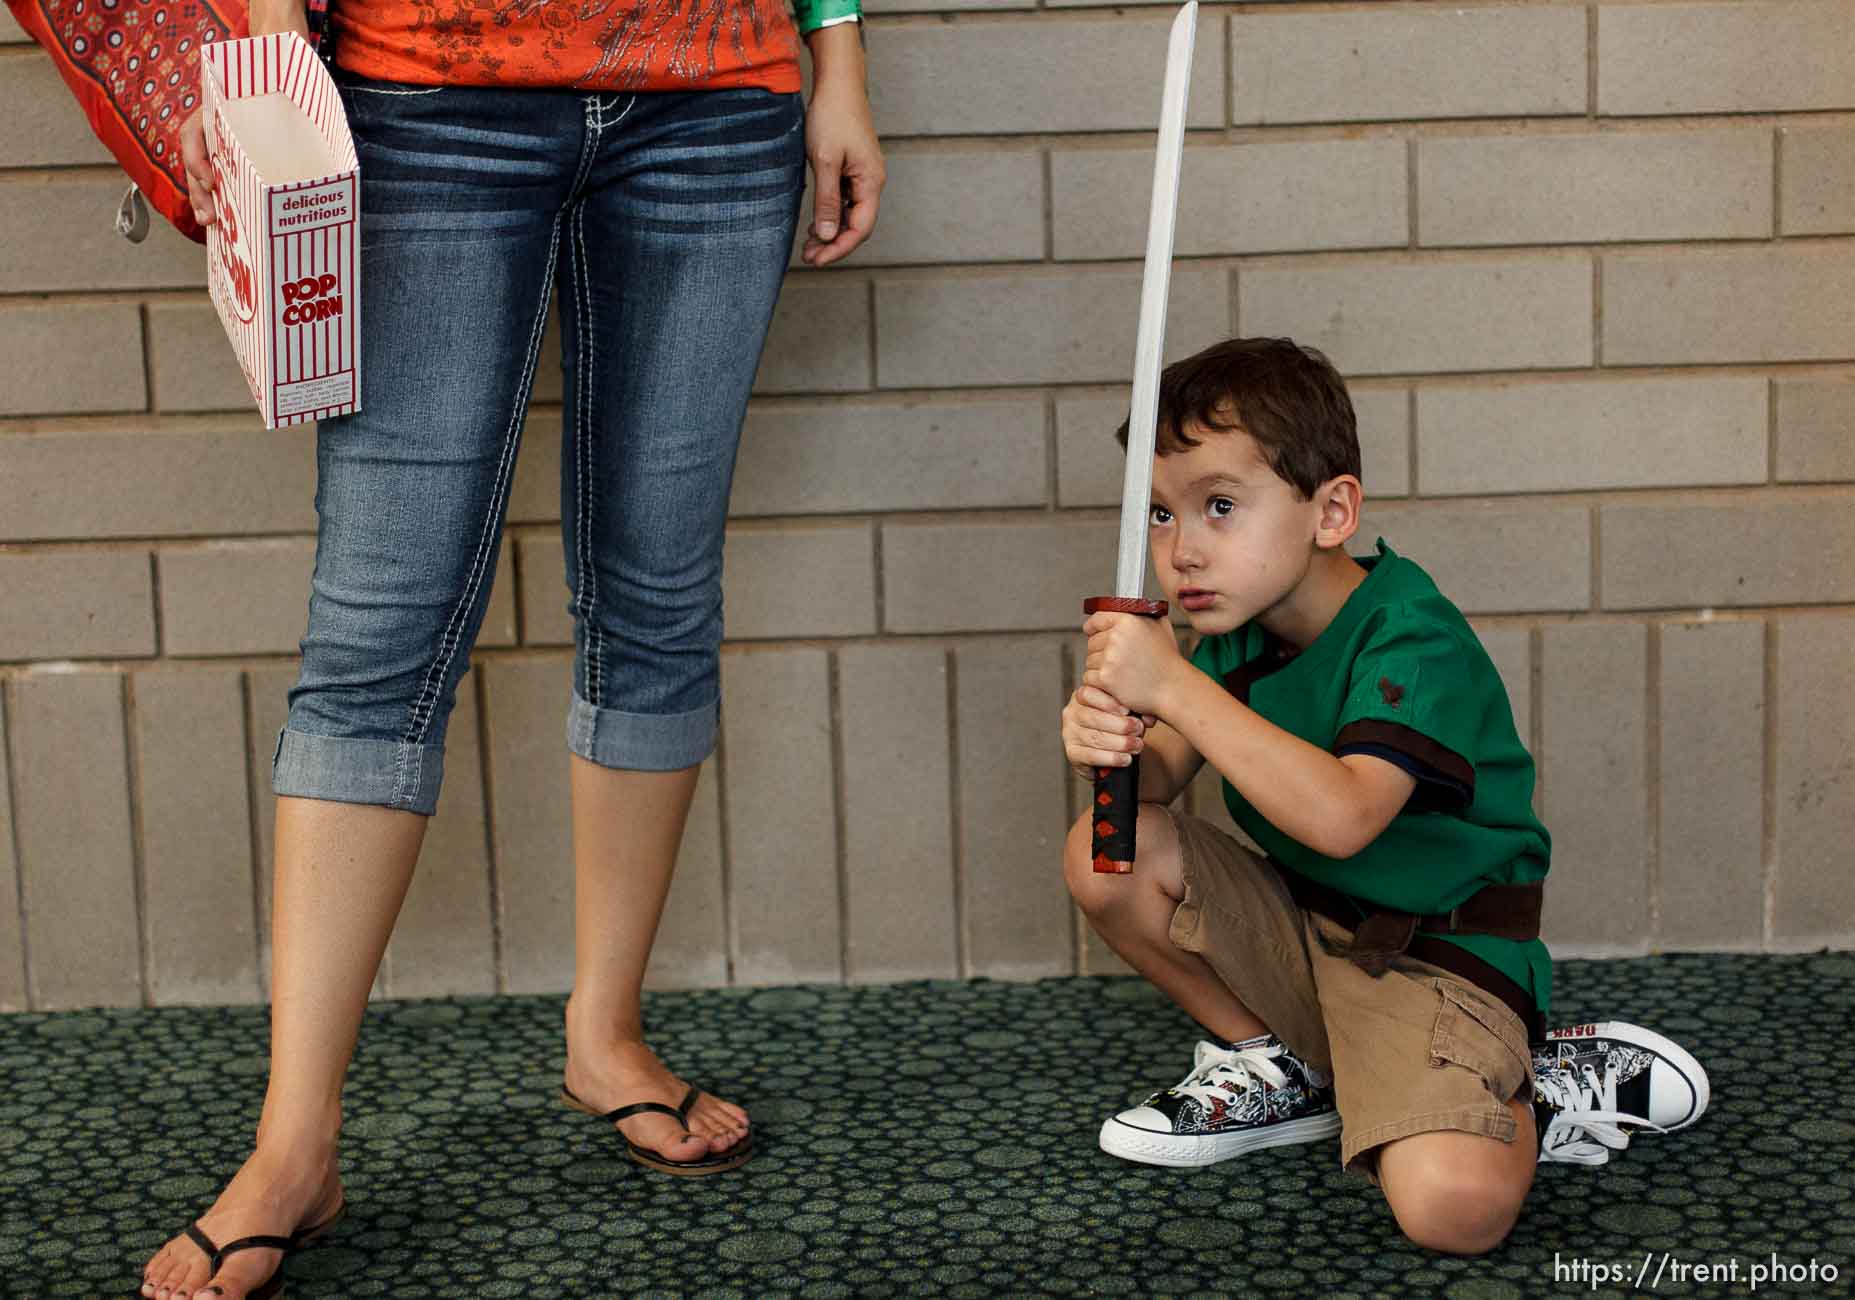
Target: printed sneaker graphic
<point>1244,1097</point>
<point>1597,1084</point>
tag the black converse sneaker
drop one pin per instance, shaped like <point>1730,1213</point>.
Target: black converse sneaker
<point>1597,1084</point>
<point>1239,1098</point>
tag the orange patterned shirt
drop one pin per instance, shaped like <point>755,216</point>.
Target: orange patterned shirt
<point>585,44</point>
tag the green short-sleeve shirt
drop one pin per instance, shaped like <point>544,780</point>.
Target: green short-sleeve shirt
<point>1399,674</point>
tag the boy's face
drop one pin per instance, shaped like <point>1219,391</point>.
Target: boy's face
<point>1230,538</point>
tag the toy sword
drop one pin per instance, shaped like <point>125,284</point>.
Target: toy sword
<point>1117,789</point>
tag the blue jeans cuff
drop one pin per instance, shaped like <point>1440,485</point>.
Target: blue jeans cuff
<point>390,773</point>
<point>642,742</point>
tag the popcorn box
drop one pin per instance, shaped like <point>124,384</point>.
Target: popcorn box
<point>283,254</point>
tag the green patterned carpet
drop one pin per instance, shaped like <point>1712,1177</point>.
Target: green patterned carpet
<point>922,1139</point>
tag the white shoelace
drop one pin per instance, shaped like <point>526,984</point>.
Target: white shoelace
<point>1587,1125</point>
<point>1214,1066</point>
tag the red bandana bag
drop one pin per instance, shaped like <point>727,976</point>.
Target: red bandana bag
<point>134,66</point>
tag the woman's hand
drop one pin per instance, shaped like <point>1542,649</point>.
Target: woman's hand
<point>264,18</point>
<point>199,169</point>
<point>840,142</point>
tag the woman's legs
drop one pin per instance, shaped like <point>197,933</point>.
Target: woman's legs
<point>670,265</point>
<point>342,872</point>
<point>461,195</point>
<point>626,829</point>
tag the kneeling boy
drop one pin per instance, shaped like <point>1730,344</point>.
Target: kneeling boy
<point>1379,972</point>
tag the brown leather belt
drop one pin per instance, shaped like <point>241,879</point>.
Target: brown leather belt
<point>1379,934</point>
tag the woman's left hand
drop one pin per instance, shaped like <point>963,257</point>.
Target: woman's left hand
<point>846,160</point>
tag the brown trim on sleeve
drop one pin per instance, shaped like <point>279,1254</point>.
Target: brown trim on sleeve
<point>1394,735</point>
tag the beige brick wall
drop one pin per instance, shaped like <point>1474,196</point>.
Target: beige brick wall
<point>1589,265</point>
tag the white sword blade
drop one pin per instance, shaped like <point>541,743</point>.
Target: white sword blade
<point>1150,342</point>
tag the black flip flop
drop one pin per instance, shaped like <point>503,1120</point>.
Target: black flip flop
<point>272,1287</point>
<point>715,1163</point>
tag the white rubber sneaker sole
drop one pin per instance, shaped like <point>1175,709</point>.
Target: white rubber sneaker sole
<point>1678,1091</point>
<point>1191,1151</point>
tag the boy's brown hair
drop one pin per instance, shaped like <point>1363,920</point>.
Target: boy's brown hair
<point>1288,398</point>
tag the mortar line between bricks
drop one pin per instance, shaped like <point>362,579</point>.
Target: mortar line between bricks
<point>492,883</point>
<point>1227,34</point>
<point>724,852</point>
<point>9,749</point>
<point>138,845</point>
<point>1052,457</point>
<point>1769,804</point>
<point>1536,709</point>
<point>1597,311</point>
<point>1227,133</point>
<point>518,574</point>
<point>1697,495</point>
<point>1591,53</point>
<point>962,922</point>
<point>1333,130</point>
<point>1376,257</point>
<point>1047,171</point>
<point>148,356</point>
<point>558,653</point>
<point>979,392</point>
<point>1652,779</point>
<point>1412,228</point>
<point>1777,184</point>
<point>878,587</point>
<point>1771,431</point>
<point>1597,557</point>
<point>1312,258</point>
<point>1412,480</point>
<point>839,814</point>
<point>983,394</point>
<point>76,427</point>
<point>216,424</point>
<point>157,624</point>
<point>875,354</point>
<point>254,833</point>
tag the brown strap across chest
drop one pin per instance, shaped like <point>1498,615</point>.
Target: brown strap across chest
<point>1380,934</point>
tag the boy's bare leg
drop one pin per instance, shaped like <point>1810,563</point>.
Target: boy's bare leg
<point>1133,914</point>
<point>627,827</point>
<point>1460,1192</point>
<point>342,873</point>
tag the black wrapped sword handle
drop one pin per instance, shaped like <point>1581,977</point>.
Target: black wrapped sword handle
<point>1116,809</point>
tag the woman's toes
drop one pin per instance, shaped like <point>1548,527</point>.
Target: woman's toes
<point>721,1135</point>
<point>715,1116</point>
<point>179,1274</point>
<point>159,1270</point>
<point>667,1138</point>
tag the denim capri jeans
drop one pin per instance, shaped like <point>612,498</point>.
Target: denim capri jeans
<point>667,221</point>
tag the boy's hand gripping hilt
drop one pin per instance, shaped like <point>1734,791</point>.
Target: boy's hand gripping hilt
<point>1116,809</point>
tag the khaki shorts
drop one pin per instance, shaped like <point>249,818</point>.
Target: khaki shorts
<point>1416,1050</point>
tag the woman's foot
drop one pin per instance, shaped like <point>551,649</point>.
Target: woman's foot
<point>274,1194</point>
<point>616,1074</point>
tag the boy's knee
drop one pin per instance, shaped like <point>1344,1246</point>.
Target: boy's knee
<point>1079,874</point>
<point>1453,1208</point>
<point>1097,892</point>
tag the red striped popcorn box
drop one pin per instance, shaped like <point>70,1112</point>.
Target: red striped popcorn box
<point>283,254</point>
